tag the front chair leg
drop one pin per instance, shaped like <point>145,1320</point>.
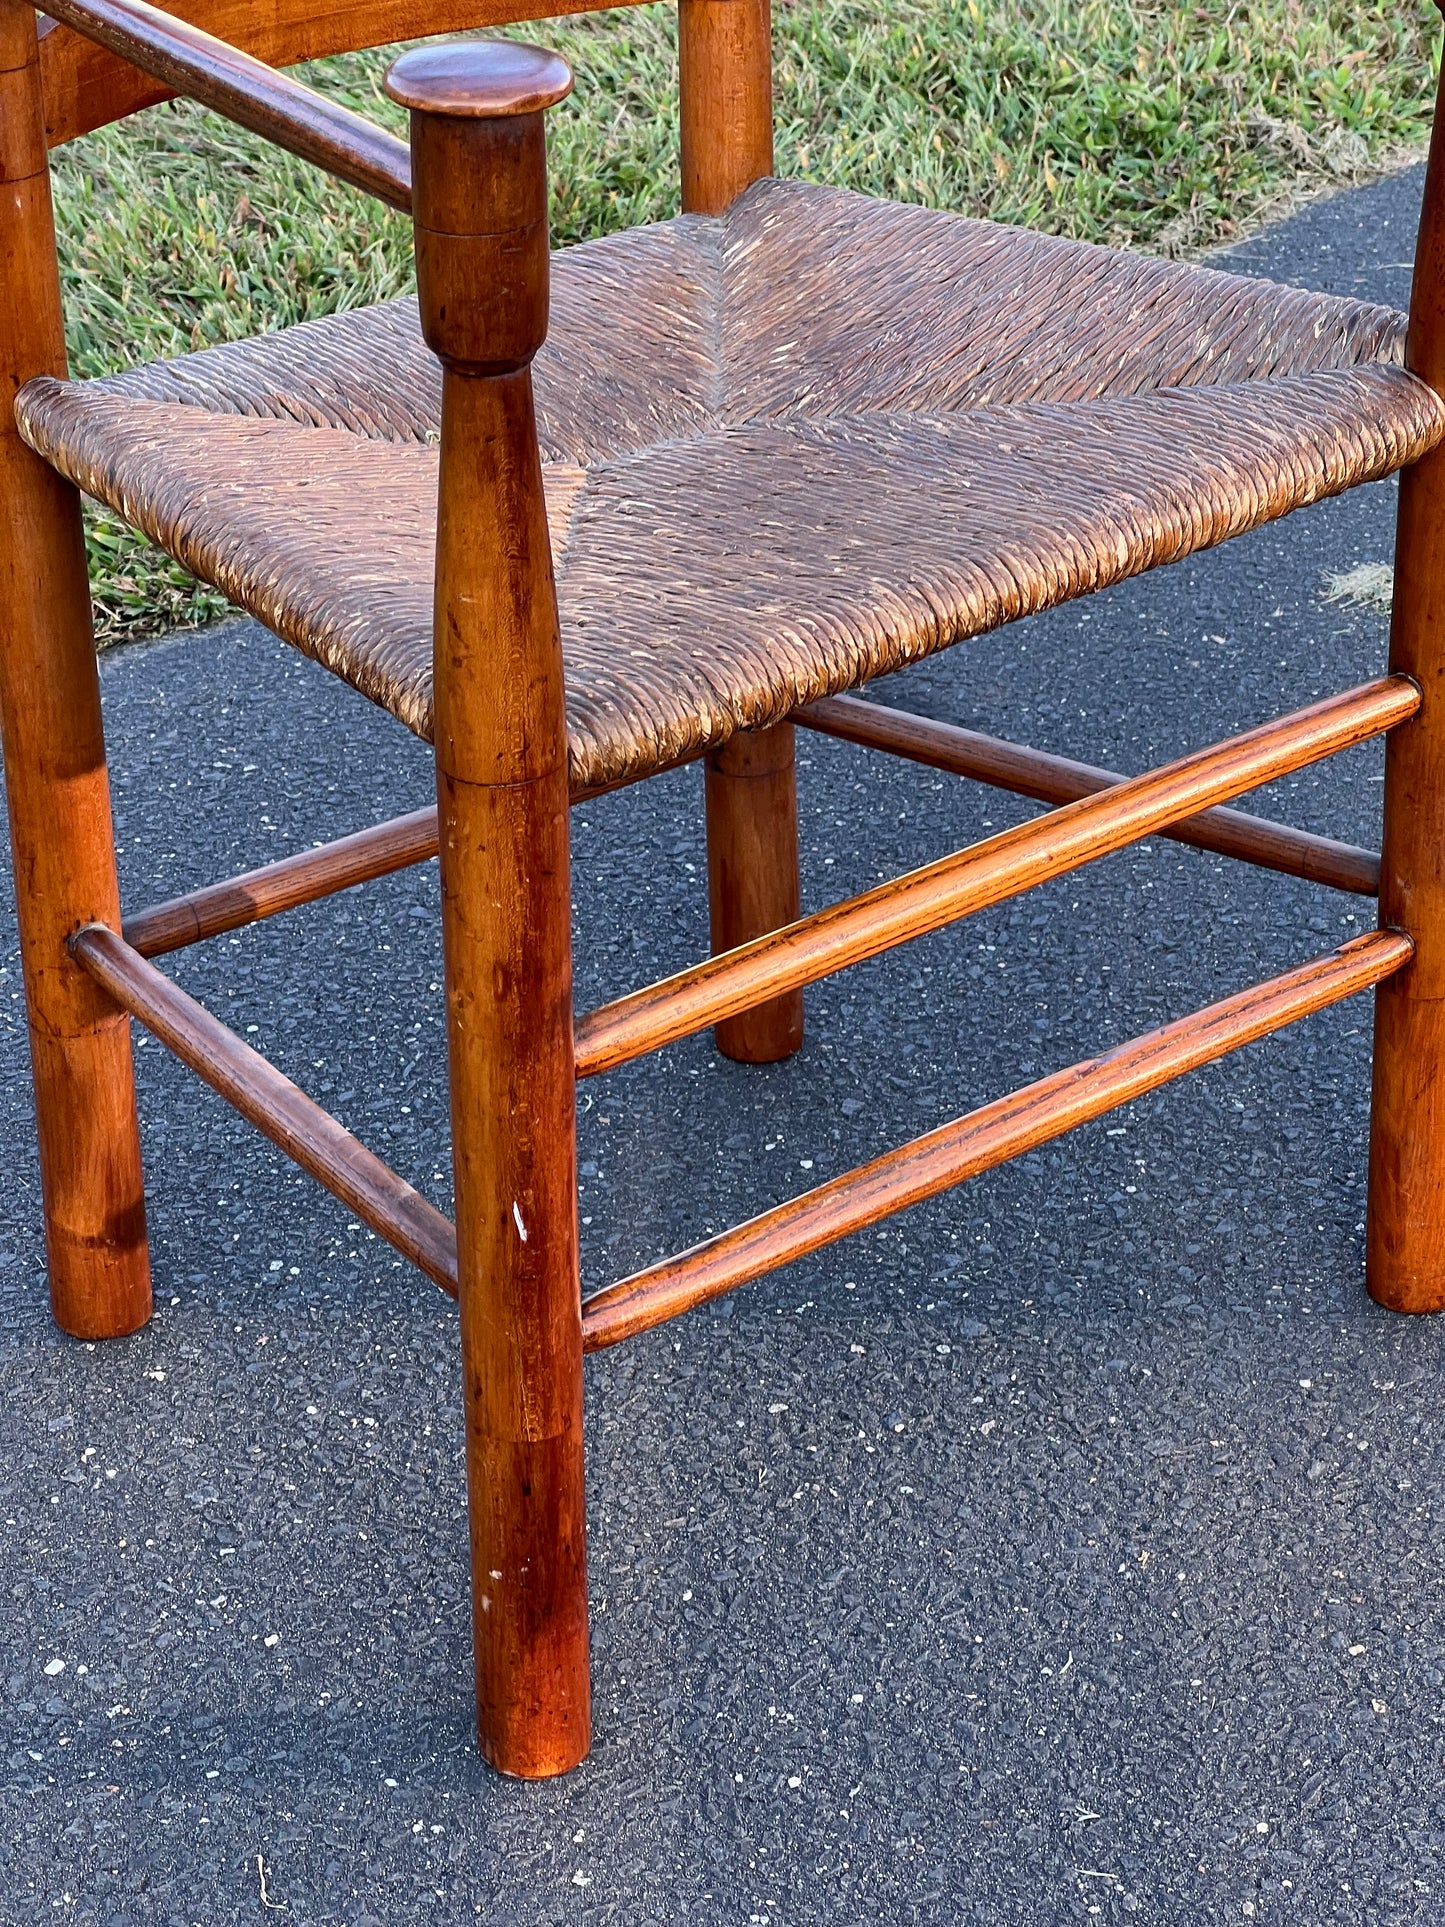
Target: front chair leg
<point>1405,1242</point>
<point>57,787</point>
<point>502,790</point>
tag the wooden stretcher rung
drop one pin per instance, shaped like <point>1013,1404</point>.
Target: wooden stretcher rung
<point>1002,866</point>
<point>1005,1129</point>
<point>284,885</point>
<point>290,881</point>
<point>383,848</point>
<point>1059,779</point>
<point>277,1107</point>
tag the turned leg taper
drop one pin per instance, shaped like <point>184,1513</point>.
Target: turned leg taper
<point>56,782</point>
<point>502,791</point>
<point>1405,1243</point>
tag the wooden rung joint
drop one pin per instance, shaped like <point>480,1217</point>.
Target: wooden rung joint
<point>993,1135</point>
<point>1002,866</point>
<point>281,1110</point>
<point>500,736</point>
<point>62,841</point>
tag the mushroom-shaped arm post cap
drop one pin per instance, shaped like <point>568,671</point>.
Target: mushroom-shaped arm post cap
<point>479,79</point>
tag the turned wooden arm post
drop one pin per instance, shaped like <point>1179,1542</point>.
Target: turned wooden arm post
<point>57,788</point>
<point>479,168</point>
<point>1405,1245</point>
<point>725,58</point>
<point>725,61</point>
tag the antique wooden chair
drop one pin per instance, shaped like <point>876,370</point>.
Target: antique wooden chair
<point>790,440</point>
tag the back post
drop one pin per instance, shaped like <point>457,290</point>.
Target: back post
<point>1405,1243</point>
<point>725,58</point>
<point>480,209</point>
<point>57,787</point>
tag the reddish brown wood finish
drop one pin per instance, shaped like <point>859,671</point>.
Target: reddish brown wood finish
<point>1405,1239</point>
<point>1002,866</point>
<point>87,85</point>
<point>752,873</point>
<point>501,751</point>
<point>276,1106</point>
<point>246,90</point>
<point>283,885</point>
<point>1057,779</point>
<point>449,80</point>
<point>1005,1129</point>
<point>406,840</point>
<point>289,882</point>
<point>725,59</point>
<point>55,773</point>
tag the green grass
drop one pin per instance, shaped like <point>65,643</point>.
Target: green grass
<point>1163,127</point>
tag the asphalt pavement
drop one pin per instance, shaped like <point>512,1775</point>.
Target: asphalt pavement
<point>1066,1550</point>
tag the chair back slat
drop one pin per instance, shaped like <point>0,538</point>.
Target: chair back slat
<point>85,86</point>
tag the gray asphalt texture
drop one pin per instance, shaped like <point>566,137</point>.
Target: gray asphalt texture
<point>1066,1550</point>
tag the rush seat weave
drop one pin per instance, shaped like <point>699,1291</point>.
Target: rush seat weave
<point>786,449</point>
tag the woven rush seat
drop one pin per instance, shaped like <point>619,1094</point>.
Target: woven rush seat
<point>785,449</point>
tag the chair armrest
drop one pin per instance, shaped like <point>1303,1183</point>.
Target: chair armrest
<point>247,91</point>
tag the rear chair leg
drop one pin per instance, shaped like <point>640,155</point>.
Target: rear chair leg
<point>502,789</point>
<point>752,876</point>
<point>1405,1245</point>
<point>725,56</point>
<point>57,788</point>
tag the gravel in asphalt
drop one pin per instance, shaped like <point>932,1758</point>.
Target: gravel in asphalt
<point>1063,1551</point>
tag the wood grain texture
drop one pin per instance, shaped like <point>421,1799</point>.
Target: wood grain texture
<point>502,804</point>
<point>87,85</point>
<point>269,1100</point>
<point>1005,1129</point>
<point>1058,779</point>
<point>386,847</point>
<point>190,61</point>
<point>451,81</point>
<point>57,787</point>
<point>725,62</point>
<point>1405,1235</point>
<point>1002,866</point>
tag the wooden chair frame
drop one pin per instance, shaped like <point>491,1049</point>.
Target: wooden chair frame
<point>474,179</point>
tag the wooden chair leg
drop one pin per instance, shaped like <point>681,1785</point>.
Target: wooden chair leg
<point>725,61</point>
<point>57,788</point>
<point>752,873</point>
<point>725,58</point>
<point>502,792</point>
<point>1405,1242</point>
